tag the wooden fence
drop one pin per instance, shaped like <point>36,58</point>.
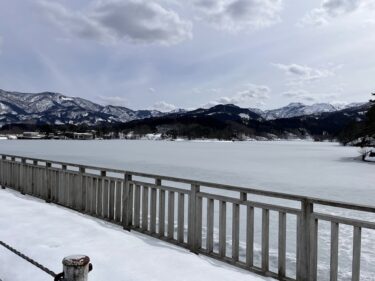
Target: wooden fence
<point>175,209</point>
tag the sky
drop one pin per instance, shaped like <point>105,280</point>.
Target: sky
<point>168,54</point>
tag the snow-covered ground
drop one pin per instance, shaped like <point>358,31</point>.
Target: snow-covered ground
<point>47,233</point>
<point>324,170</point>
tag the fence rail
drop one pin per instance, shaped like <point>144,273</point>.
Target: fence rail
<point>175,210</point>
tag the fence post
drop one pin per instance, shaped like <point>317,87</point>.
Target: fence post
<point>127,206</point>
<point>304,240</point>
<point>76,268</point>
<point>22,181</point>
<point>83,194</point>
<point>48,182</point>
<point>3,157</point>
<point>193,240</point>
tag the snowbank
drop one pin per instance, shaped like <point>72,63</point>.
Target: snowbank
<point>47,233</point>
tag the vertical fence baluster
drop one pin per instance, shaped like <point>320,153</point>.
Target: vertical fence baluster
<point>89,191</point>
<point>118,196</point>
<point>198,217</point>
<point>127,202</point>
<point>47,176</point>
<point>94,196</point>
<point>161,212</point>
<point>63,197</point>
<point>106,198</point>
<point>356,263</point>
<point>282,244</point>
<point>250,236</point>
<point>145,208</point>
<point>265,239</point>
<point>137,207</point>
<point>83,194</point>
<point>153,210</point>
<point>99,207</point>
<point>23,176</point>
<point>222,228</point>
<point>334,251</point>
<point>210,226</point>
<point>111,203</point>
<point>2,171</point>
<point>235,230</point>
<point>192,219</point>
<point>180,215</point>
<point>314,250</point>
<point>70,182</point>
<point>170,214</point>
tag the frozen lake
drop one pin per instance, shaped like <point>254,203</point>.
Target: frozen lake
<point>326,170</point>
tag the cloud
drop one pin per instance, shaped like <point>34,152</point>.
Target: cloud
<point>114,100</point>
<point>236,15</point>
<point>300,95</point>
<point>163,106</point>
<point>251,95</point>
<point>304,95</point>
<point>330,9</point>
<point>137,21</point>
<point>151,90</point>
<point>302,73</point>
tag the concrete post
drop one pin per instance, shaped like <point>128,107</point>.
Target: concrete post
<point>76,268</point>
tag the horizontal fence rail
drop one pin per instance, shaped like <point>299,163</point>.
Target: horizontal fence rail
<point>211,219</point>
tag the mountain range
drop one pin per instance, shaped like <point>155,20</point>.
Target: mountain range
<point>57,109</point>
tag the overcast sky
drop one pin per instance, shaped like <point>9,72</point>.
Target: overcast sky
<point>166,54</point>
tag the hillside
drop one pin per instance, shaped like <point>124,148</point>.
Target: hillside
<point>50,111</point>
<point>57,109</point>
<point>232,122</point>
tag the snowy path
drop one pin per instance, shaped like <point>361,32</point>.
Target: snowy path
<point>47,233</point>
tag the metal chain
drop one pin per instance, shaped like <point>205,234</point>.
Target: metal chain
<point>45,269</point>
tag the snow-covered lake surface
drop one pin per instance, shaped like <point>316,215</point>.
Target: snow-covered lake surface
<point>324,170</point>
<point>47,233</point>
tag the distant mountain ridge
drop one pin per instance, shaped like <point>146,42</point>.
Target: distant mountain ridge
<point>300,109</point>
<point>56,109</point>
<point>235,123</point>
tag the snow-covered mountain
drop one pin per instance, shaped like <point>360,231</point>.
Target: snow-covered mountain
<point>300,109</point>
<point>55,108</point>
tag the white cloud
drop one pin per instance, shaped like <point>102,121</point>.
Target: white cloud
<point>302,73</point>
<point>305,95</point>
<point>236,15</point>
<point>330,9</point>
<point>251,95</point>
<point>114,100</point>
<point>137,21</point>
<point>299,95</point>
<point>163,106</point>
<point>151,90</point>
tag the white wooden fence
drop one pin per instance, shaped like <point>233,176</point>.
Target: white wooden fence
<point>174,209</point>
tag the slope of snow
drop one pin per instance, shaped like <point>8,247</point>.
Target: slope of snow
<point>298,109</point>
<point>47,233</point>
<point>48,107</point>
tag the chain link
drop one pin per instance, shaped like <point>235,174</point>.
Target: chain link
<point>33,262</point>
